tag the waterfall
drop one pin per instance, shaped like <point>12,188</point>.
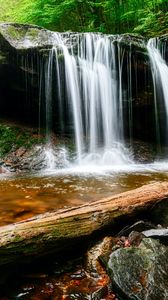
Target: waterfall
<point>92,85</point>
<point>160,79</point>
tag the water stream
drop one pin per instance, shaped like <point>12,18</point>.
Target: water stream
<point>88,73</point>
<point>93,85</point>
<point>87,80</point>
<point>83,76</point>
<point>83,73</point>
<point>160,80</point>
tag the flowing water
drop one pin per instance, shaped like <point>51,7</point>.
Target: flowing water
<point>87,81</point>
<point>84,75</point>
<point>93,84</point>
<point>160,79</point>
<point>88,74</point>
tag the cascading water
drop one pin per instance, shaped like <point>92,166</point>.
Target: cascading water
<point>93,88</point>
<point>160,79</point>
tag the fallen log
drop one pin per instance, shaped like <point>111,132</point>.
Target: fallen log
<point>52,232</point>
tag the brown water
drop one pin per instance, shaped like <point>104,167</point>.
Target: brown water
<point>24,197</point>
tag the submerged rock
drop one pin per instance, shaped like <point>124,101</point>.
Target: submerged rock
<point>140,272</point>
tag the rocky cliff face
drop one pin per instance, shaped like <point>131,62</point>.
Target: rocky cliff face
<point>19,48</point>
<point>24,50</point>
<point>24,37</point>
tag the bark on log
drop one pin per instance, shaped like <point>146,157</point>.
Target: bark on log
<point>51,232</point>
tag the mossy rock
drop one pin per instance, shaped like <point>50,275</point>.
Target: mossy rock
<point>24,36</point>
<point>140,272</point>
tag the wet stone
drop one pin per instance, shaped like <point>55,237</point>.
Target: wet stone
<point>140,272</point>
<point>102,248</point>
<point>78,275</point>
<point>135,238</point>
<point>100,293</point>
<point>138,226</point>
<point>77,296</point>
<point>160,234</point>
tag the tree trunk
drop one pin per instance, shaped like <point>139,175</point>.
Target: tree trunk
<point>54,232</point>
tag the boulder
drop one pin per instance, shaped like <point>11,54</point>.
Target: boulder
<point>140,272</point>
<point>24,36</point>
<point>24,52</point>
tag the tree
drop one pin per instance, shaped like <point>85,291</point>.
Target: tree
<point>147,17</point>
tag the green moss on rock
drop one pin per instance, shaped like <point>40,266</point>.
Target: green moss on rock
<point>13,137</point>
<point>140,272</point>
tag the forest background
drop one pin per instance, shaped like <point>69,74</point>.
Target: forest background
<point>146,17</point>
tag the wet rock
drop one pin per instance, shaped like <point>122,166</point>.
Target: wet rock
<point>24,36</point>
<point>143,152</point>
<point>20,44</point>
<point>20,151</point>
<point>135,238</point>
<point>80,274</point>
<point>159,213</point>
<point>161,234</point>
<point>22,159</point>
<point>3,170</point>
<point>137,43</point>
<point>101,249</point>
<point>95,270</point>
<point>138,226</point>
<point>140,272</point>
<point>100,293</point>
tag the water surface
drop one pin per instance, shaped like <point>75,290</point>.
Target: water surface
<point>23,196</point>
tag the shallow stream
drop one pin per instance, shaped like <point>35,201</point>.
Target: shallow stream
<point>23,196</point>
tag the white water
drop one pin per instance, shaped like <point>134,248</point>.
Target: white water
<point>57,159</point>
<point>92,81</point>
<point>93,86</point>
<point>160,77</point>
<point>50,159</point>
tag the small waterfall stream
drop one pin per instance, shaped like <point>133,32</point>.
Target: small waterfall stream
<point>92,82</point>
<point>93,87</point>
<point>95,94</point>
<point>160,79</point>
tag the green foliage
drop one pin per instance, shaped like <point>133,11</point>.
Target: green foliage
<point>11,138</point>
<point>147,17</point>
<point>154,21</point>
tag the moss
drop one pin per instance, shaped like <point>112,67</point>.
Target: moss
<point>12,138</point>
<point>17,239</point>
<point>15,32</point>
<point>33,33</point>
